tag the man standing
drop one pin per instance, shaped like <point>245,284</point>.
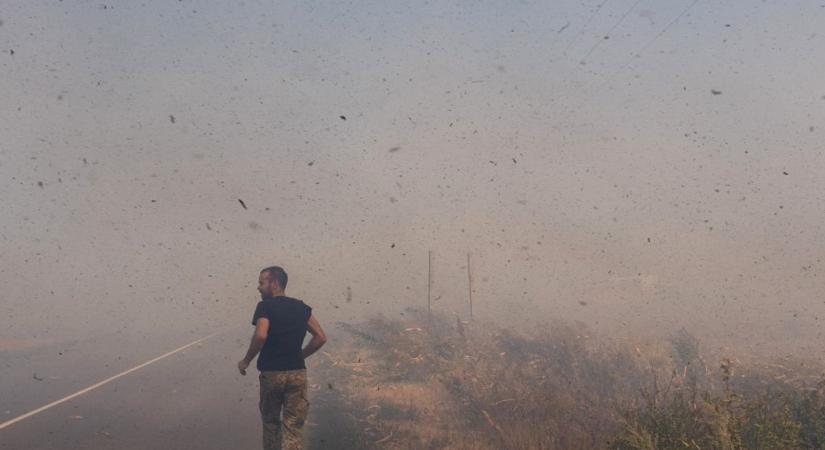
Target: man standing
<point>281,324</point>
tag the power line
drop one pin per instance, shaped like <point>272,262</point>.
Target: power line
<point>654,39</point>
<point>615,25</point>
<point>584,27</point>
<point>642,50</point>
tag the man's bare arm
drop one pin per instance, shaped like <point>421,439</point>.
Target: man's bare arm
<point>256,344</point>
<point>319,338</point>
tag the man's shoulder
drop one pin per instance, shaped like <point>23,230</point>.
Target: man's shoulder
<point>295,301</point>
<point>299,307</point>
<point>260,311</point>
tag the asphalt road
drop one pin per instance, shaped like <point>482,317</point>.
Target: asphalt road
<point>192,399</point>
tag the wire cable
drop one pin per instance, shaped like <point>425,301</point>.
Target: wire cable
<point>607,35</point>
<point>650,42</point>
<point>584,27</point>
<point>628,62</point>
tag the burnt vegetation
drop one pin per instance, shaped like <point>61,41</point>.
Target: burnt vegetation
<point>434,382</point>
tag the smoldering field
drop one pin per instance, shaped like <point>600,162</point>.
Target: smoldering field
<point>400,377</point>
<point>473,385</point>
<point>574,340</point>
<point>643,213</point>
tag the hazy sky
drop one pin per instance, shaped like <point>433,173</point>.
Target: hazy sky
<point>666,173</point>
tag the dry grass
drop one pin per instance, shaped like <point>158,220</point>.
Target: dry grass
<point>439,383</point>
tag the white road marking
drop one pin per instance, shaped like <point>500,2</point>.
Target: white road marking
<point>97,385</point>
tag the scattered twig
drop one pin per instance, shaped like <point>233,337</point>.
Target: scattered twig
<point>385,438</point>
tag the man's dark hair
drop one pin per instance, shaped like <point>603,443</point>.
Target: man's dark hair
<point>277,273</point>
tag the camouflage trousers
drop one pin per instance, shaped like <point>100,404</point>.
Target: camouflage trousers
<point>285,390</point>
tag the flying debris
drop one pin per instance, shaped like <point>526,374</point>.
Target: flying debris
<point>242,203</point>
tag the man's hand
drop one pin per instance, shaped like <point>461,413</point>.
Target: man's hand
<point>242,365</point>
<point>257,343</point>
<point>318,337</point>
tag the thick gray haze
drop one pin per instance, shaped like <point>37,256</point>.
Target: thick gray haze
<point>664,174</point>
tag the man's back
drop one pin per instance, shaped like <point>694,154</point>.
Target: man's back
<point>288,319</point>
